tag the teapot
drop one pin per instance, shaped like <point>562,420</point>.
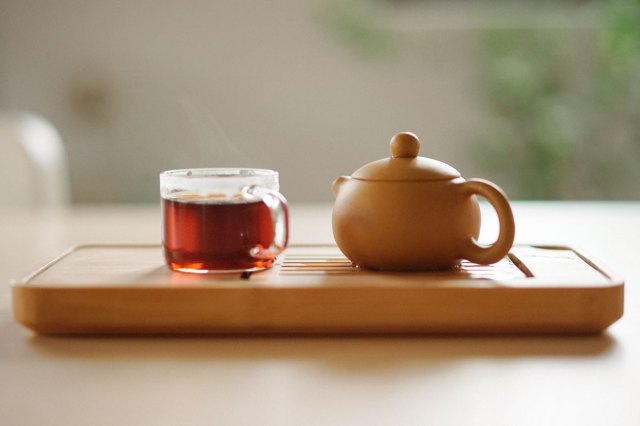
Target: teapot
<point>411,213</point>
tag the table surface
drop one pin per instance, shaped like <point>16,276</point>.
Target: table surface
<point>592,380</point>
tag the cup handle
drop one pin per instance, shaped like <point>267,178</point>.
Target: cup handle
<point>473,251</point>
<point>279,214</point>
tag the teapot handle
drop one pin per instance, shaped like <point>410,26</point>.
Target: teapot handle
<point>473,251</point>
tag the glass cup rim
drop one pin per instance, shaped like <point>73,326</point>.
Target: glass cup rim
<point>218,172</point>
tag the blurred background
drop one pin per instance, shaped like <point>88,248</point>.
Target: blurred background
<point>542,98</point>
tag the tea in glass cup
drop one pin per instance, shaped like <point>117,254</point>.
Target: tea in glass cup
<point>222,220</point>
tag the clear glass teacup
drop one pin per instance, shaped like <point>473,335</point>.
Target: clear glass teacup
<point>218,220</point>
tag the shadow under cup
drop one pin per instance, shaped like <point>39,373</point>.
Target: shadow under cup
<point>222,220</point>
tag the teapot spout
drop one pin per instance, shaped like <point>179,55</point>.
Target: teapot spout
<point>335,186</point>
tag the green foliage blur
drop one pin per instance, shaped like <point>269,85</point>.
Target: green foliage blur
<point>566,104</point>
<point>562,102</point>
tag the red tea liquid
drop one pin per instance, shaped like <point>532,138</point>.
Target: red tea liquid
<point>217,236</point>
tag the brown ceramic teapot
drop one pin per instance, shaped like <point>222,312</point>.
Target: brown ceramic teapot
<point>411,213</point>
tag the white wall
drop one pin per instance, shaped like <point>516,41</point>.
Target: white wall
<point>136,87</point>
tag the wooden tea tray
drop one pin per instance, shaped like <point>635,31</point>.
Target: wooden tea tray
<point>126,289</point>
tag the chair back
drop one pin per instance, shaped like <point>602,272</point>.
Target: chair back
<point>33,162</point>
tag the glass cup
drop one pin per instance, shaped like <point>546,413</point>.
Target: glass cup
<point>222,220</point>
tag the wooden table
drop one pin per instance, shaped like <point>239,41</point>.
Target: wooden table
<point>428,380</point>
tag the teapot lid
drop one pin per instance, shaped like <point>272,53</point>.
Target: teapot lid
<point>405,164</point>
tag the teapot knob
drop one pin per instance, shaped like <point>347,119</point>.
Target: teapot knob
<point>405,145</point>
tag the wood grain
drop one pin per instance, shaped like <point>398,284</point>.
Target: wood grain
<point>314,290</point>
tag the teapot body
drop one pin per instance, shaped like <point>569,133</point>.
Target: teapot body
<point>404,225</point>
<point>412,213</point>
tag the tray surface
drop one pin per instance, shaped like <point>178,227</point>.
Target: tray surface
<point>126,289</point>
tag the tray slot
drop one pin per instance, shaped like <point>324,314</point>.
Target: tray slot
<point>335,264</point>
